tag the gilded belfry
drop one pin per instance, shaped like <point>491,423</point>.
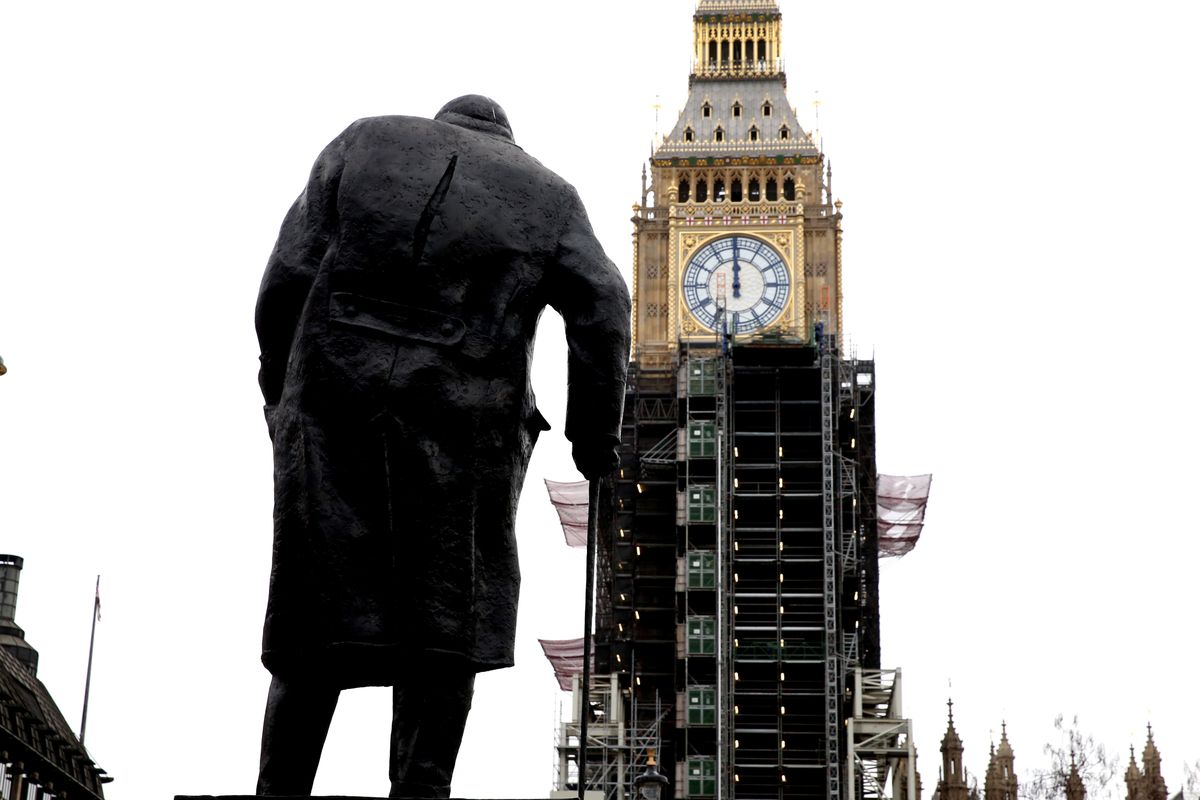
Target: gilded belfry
<point>738,213</point>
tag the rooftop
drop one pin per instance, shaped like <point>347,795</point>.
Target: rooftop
<point>753,117</point>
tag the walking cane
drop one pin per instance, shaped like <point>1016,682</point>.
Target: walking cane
<point>585,706</point>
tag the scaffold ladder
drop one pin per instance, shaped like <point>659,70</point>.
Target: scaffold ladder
<point>829,478</point>
<point>725,738</point>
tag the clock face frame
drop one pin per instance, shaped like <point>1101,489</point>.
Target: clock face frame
<point>744,274</point>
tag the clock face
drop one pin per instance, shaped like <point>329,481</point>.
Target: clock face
<point>744,275</point>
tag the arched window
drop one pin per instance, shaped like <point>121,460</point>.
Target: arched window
<point>735,191</point>
<point>688,134</point>
<point>754,193</point>
<point>737,53</point>
<point>784,132</point>
<point>719,134</point>
<point>701,191</point>
<point>706,110</point>
<point>772,190</point>
<point>719,190</point>
<point>789,189</point>
<point>737,109</point>
<point>762,53</point>
<point>767,109</point>
<point>712,53</point>
<point>753,134</point>
<point>725,53</point>
<point>685,190</point>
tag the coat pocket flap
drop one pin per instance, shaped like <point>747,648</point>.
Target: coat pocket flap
<point>394,319</point>
<point>537,422</point>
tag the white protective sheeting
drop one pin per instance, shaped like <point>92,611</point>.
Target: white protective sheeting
<point>901,512</point>
<point>571,502</point>
<point>566,657</point>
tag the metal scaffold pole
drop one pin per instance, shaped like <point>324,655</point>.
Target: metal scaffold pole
<point>724,565</point>
<point>833,689</point>
<point>586,683</point>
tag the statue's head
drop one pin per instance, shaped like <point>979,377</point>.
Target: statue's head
<point>478,113</point>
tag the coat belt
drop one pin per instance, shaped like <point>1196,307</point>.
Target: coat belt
<point>409,323</point>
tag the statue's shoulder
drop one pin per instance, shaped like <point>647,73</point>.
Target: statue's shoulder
<point>371,141</point>
<point>422,135</point>
<point>392,126</point>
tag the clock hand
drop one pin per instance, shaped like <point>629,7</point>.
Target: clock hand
<point>737,283</point>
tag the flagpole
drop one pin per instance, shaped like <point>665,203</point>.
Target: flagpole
<point>87,686</point>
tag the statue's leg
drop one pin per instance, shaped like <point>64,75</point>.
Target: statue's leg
<point>294,729</point>
<point>429,713</point>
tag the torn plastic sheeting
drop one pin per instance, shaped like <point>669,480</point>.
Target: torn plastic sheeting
<point>571,502</point>
<point>566,657</point>
<point>901,502</point>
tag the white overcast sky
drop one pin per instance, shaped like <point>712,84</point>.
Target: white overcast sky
<point>1020,186</point>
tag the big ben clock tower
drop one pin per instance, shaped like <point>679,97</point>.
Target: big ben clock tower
<point>737,625</point>
<point>736,229</point>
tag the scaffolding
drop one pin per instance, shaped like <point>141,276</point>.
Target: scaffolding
<point>705,706</point>
<point>739,573</point>
<point>881,754</point>
<point>618,746</point>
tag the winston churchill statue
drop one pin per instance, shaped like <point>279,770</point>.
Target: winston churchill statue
<point>396,321</point>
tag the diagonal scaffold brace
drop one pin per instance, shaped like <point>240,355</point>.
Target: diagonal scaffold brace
<point>585,708</point>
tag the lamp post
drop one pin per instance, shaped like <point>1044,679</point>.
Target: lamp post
<point>651,782</point>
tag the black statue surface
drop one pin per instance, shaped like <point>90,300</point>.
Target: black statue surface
<point>396,320</point>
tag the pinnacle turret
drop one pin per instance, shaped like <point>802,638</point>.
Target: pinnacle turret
<point>1001,780</point>
<point>1075,788</point>
<point>1133,778</point>
<point>953,784</point>
<point>1154,786</point>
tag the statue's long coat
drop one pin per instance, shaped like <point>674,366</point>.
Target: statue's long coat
<point>396,321</point>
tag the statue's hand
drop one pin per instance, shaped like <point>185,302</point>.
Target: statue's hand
<point>596,457</point>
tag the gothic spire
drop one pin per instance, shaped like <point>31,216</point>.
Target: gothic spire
<point>1075,787</point>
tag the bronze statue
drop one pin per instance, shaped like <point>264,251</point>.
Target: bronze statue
<point>396,320</point>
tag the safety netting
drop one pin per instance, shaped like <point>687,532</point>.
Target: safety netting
<point>571,502</point>
<point>901,507</point>
<point>566,657</point>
